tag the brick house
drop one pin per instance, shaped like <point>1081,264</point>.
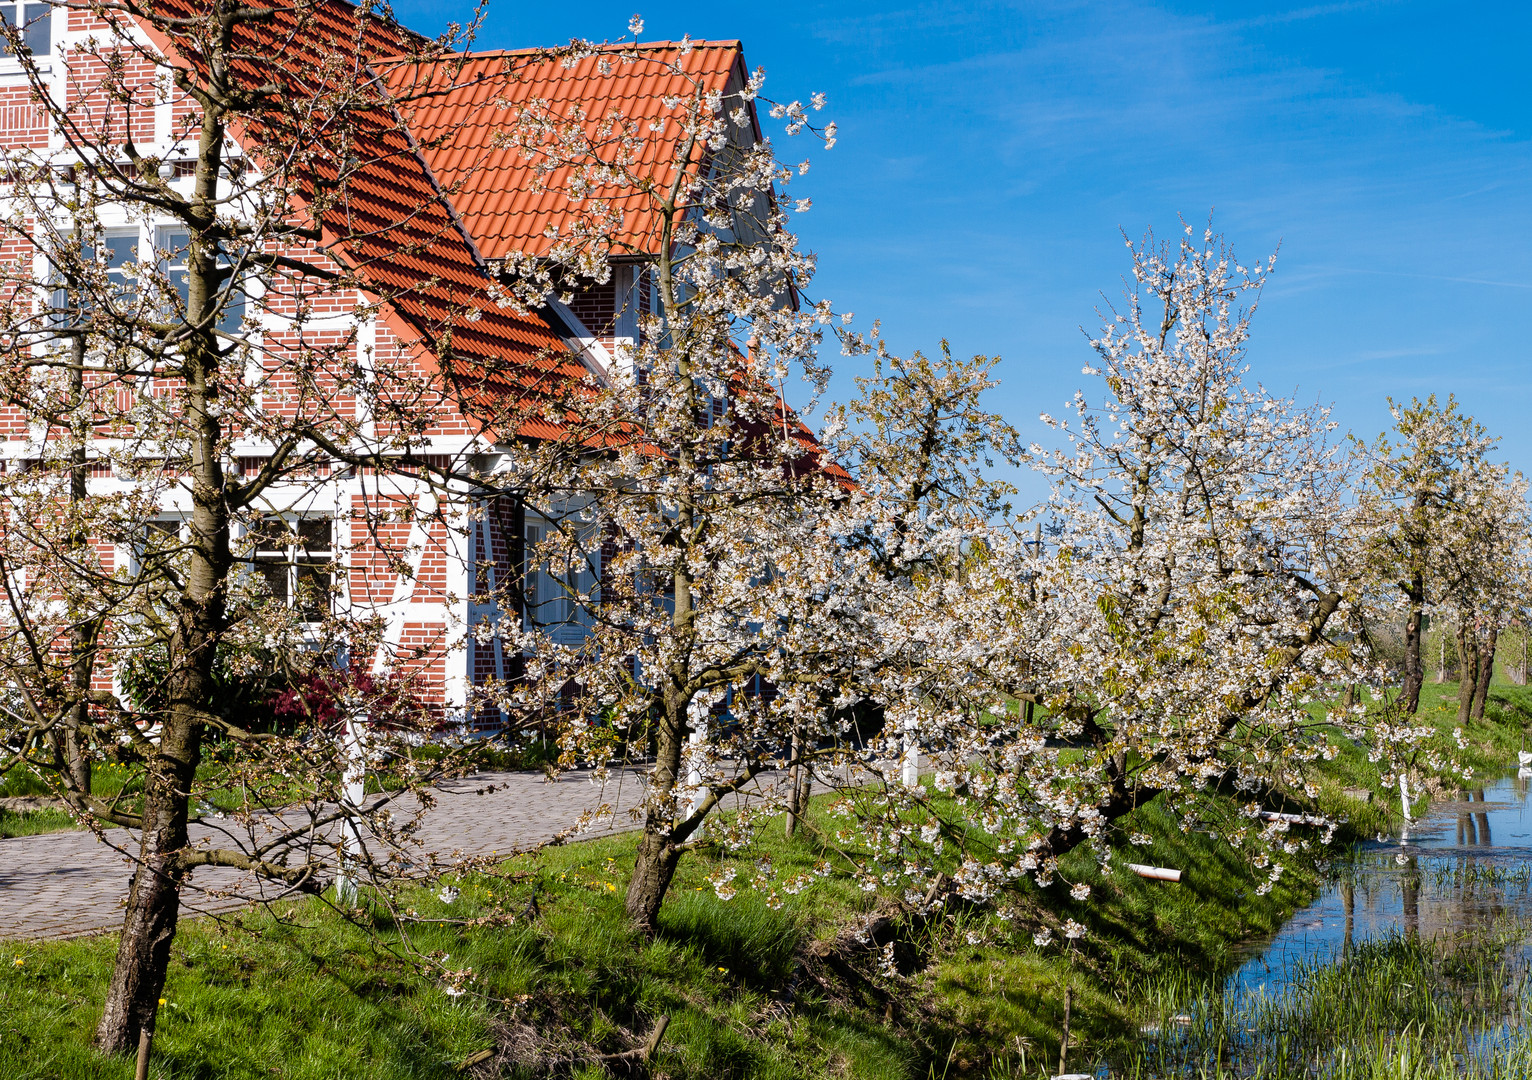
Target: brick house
<point>455,204</point>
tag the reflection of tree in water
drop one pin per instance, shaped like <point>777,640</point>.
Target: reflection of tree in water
<point>1473,826</point>
<point>1409,884</point>
<point>1471,889</point>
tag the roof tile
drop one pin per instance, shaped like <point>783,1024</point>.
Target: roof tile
<point>461,111</point>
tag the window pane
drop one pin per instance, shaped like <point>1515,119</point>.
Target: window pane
<point>159,536</point>
<point>39,33</point>
<point>233,315</point>
<point>161,533</point>
<point>120,253</point>
<point>314,535</point>
<point>7,16</point>
<point>176,244</point>
<point>120,250</point>
<point>275,573</point>
<point>272,536</point>
<point>313,590</point>
<point>67,309</point>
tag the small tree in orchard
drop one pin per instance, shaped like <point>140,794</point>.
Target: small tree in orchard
<point>1200,590</point>
<point>181,338</point>
<point>683,494</point>
<point>1418,503</point>
<point>1494,578</point>
<point>927,554</point>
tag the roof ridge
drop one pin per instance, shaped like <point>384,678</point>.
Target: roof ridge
<point>470,55</point>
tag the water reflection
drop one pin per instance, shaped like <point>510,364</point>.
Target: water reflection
<point>1465,865</point>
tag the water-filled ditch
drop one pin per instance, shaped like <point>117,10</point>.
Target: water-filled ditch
<point>1412,963</point>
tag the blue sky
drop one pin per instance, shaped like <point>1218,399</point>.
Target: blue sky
<point>990,153</point>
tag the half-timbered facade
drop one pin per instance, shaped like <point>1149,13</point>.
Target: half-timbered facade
<point>439,204</point>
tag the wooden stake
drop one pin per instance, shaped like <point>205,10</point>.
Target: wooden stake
<point>1064,1039</point>
<point>145,1041</point>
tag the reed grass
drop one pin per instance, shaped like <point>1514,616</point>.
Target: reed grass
<point>1398,1006</point>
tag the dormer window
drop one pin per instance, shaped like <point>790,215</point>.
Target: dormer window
<point>36,22</point>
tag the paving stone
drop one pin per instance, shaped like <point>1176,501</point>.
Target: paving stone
<point>70,884</point>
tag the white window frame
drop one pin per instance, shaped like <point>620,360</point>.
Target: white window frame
<point>295,558</point>
<point>167,240</point>
<point>9,65</point>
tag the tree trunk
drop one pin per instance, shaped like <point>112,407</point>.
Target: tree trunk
<point>805,787</point>
<point>1468,668</point>
<point>1486,671</point>
<point>1414,670</point>
<point>154,900</point>
<point>657,856</point>
<point>149,925</point>
<point>652,872</point>
<point>81,637</point>
<point>794,805</point>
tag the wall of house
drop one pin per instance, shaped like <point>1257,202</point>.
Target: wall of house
<point>411,578</point>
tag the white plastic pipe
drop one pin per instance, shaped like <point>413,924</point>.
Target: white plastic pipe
<point>1293,819</point>
<point>694,775</point>
<point>911,770</point>
<point>1158,873</point>
<point>353,794</point>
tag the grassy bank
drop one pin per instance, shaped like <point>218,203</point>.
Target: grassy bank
<point>751,991</point>
<point>324,999</point>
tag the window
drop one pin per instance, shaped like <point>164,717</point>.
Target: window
<point>536,587</point>
<point>119,253</point>
<point>36,22</point>
<point>551,588</point>
<point>161,534</point>
<point>158,537</point>
<point>296,559</point>
<point>176,243</point>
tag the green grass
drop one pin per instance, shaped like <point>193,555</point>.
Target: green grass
<point>329,1000</point>
<point>35,822</point>
<point>325,999</point>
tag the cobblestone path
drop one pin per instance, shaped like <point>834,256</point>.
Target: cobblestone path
<point>70,884</point>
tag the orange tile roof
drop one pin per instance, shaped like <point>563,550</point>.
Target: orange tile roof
<point>461,111</point>
<point>396,229</point>
<point>428,170</point>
